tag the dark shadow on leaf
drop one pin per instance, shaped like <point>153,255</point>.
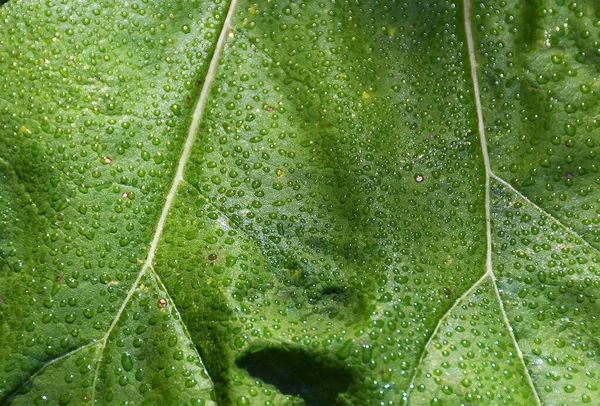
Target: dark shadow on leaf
<point>530,22</point>
<point>295,372</point>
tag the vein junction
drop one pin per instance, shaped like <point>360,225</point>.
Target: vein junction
<point>185,155</point>
<point>488,176</point>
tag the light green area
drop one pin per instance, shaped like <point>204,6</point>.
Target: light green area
<point>540,75</point>
<point>327,244</point>
<point>472,359</point>
<point>549,283</point>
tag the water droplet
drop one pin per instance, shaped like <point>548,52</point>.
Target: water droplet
<point>126,361</point>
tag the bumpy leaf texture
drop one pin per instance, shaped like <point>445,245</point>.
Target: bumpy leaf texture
<point>299,202</point>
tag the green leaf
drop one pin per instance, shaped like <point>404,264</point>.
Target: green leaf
<point>353,203</point>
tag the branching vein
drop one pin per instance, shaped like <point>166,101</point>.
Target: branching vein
<point>464,296</point>
<point>187,149</point>
<point>489,270</point>
<point>488,176</point>
<point>46,365</point>
<point>544,212</point>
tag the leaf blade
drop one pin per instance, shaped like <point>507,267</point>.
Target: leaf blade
<point>334,205</point>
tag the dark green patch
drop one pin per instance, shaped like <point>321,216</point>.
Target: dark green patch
<point>295,372</point>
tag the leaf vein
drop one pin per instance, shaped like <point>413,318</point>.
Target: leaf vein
<point>187,149</point>
<point>41,369</point>
<point>545,213</point>
<point>437,327</point>
<point>488,176</point>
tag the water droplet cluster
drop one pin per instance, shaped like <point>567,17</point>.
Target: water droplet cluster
<point>472,358</point>
<point>94,107</point>
<point>336,178</point>
<point>549,279</point>
<point>150,354</point>
<point>332,209</point>
<point>538,66</point>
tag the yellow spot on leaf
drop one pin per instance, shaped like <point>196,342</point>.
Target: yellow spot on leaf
<point>24,130</point>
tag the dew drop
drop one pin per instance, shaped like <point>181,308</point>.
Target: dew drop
<point>126,361</point>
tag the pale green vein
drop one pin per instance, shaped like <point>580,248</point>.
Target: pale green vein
<point>464,296</point>
<point>488,191</point>
<point>544,212</point>
<point>49,363</point>
<point>187,149</point>
<point>171,304</point>
<point>489,271</point>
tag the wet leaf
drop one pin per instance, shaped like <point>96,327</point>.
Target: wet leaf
<point>287,202</point>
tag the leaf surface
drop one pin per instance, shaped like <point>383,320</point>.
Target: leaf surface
<point>295,202</point>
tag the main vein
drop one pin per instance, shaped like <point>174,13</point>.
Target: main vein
<point>488,176</point>
<point>185,155</point>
